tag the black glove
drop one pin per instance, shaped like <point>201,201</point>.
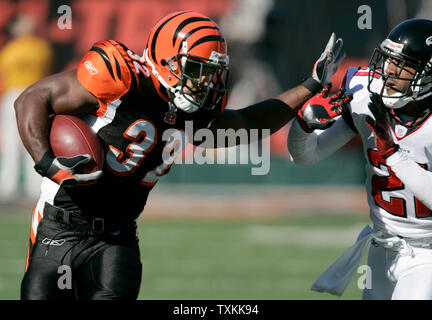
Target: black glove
<point>380,126</point>
<point>319,112</point>
<point>66,171</point>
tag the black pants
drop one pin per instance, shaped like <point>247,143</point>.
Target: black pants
<point>70,261</point>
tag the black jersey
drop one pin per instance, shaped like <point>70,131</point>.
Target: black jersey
<point>132,122</point>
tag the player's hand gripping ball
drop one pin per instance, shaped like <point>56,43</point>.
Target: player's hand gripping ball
<point>77,153</point>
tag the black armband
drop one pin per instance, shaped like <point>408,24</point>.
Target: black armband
<point>44,164</point>
<point>312,85</point>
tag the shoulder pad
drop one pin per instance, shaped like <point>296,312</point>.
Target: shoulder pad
<point>105,71</point>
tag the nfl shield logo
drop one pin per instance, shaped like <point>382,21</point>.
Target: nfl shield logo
<point>400,131</point>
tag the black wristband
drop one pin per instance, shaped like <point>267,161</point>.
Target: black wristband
<point>312,85</point>
<point>44,164</point>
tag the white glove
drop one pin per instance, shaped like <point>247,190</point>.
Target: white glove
<point>329,61</point>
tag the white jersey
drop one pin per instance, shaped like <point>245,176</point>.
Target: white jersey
<point>393,206</point>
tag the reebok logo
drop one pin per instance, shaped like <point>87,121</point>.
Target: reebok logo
<point>90,67</point>
<point>51,242</point>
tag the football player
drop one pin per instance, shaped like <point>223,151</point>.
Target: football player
<point>391,111</point>
<point>87,222</point>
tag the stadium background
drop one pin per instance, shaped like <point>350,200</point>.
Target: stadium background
<point>216,231</point>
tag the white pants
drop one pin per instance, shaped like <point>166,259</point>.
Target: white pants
<point>403,274</point>
<point>13,156</point>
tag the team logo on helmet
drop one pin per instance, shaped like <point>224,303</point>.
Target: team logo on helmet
<point>429,41</point>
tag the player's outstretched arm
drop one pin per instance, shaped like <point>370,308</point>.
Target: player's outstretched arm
<point>270,114</point>
<point>310,148</point>
<point>274,113</point>
<point>57,94</point>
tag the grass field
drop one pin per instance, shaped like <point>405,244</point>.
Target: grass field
<point>193,259</point>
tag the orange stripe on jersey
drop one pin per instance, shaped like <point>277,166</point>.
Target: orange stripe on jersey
<point>104,71</point>
<point>101,111</point>
<point>32,236</point>
<point>32,232</point>
<point>27,259</point>
<point>62,175</point>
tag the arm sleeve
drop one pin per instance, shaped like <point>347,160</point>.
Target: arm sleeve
<point>310,148</point>
<point>415,178</point>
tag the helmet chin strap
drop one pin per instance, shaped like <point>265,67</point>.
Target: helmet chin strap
<point>181,101</point>
<point>395,101</point>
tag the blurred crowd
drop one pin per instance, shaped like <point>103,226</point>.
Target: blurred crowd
<point>272,45</point>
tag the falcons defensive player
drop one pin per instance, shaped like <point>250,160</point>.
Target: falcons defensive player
<point>130,102</point>
<point>391,112</point>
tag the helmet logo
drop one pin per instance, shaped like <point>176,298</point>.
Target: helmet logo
<point>429,41</point>
<point>387,44</point>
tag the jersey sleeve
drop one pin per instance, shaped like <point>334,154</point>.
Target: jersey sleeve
<point>310,148</point>
<point>104,71</point>
<point>346,84</point>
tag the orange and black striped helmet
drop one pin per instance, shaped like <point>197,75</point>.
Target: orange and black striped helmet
<point>188,55</point>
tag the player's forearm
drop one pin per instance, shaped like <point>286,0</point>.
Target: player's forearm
<point>417,179</point>
<point>295,98</point>
<point>32,112</point>
<point>302,146</point>
<point>258,120</point>
<point>310,148</point>
<point>271,114</point>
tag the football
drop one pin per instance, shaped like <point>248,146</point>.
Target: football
<point>71,136</point>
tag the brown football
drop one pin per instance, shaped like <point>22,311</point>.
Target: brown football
<point>71,136</point>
